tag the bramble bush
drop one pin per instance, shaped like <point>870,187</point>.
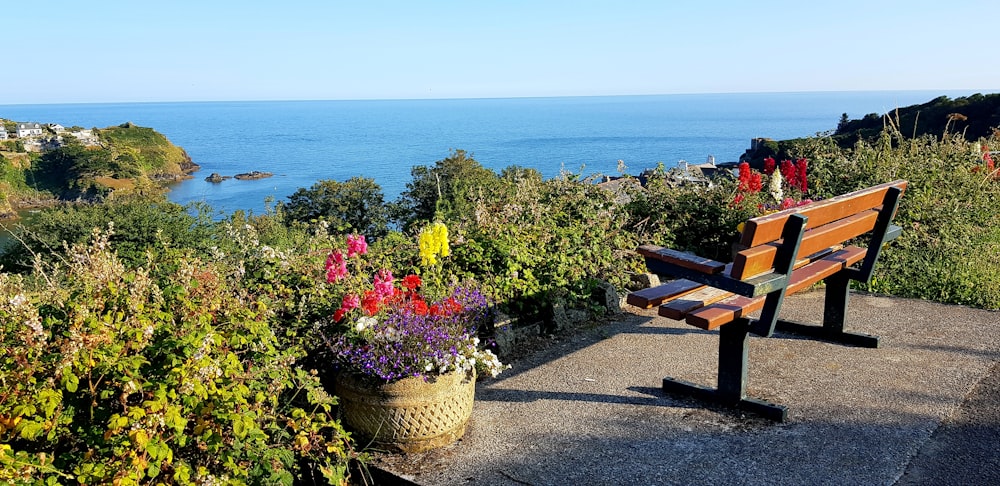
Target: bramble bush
<point>166,373</point>
<point>948,251</point>
<point>531,243</point>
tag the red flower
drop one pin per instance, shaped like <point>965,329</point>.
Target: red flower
<point>452,306</point>
<point>419,307</point>
<point>411,282</point>
<point>339,314</point>
<point>769,165</point>
<point>370,302</point>
<point>749,180</point>
<point>738,199</point>
<point>787,203</point>
<point>790,173</point>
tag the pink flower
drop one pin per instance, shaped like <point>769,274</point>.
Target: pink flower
<point>383,284</point>
<point>787,203</point>
<point>336,267</point>
<point>356,245</point>
<point>350,302</point>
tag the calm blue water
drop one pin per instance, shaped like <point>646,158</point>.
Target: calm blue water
<point>305,141</point>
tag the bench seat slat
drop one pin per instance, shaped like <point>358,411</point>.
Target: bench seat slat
<point>725,311</point>
<point>654,296</point>
<point>768,228</point>
<point>681,259</point>
<point>760,259</point>
<point>678,308</point>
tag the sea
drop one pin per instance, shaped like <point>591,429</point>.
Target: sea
<point>302,142</point>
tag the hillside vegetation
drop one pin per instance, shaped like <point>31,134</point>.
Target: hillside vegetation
<point>971,118</point>
<point>128,159</point>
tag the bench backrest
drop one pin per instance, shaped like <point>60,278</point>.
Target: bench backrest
<point>830,222</point>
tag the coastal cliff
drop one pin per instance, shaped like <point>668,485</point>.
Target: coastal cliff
<point>87,165</point>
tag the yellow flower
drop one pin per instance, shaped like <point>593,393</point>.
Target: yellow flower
<point>433,241</point>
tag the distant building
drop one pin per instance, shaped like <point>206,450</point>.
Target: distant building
<point>28,129</point>
<point>3,133</point>
<point>87,136</point>
<point>57,127</point>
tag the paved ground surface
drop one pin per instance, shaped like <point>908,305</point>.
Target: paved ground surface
<point>588,408</point>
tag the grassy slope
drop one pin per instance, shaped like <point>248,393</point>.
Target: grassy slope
<point>156,156</point>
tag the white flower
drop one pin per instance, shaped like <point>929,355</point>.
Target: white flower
<point>18,300</point>
<point>775,187</point>
<point>365,322</point>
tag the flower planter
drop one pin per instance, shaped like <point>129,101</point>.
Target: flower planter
<point>408,415</point>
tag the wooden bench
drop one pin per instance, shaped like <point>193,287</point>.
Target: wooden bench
<point>780,254</point>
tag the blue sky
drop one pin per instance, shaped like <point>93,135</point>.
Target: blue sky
<point>203,50</point>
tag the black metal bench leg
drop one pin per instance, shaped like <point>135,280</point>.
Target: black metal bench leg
<point>734,344</point>
<point>838,292</point>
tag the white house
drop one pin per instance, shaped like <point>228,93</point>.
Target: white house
<point>57,127</point>
<point>3,133</point>
<point>28,129</point>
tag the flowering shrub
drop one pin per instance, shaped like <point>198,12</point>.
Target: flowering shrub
<point>389,330</point>
<point>790,176</point>
<point>170,373</point>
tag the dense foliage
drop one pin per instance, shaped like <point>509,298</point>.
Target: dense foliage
<point>182,349</point>
<point>171,371</point>
<point>354,206</point>
<point>973,117</point>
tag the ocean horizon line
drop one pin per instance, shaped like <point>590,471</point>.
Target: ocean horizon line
<point>943,92</point>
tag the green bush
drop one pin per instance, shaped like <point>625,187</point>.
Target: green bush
<point>167,373</point>
<point>533,243</point>
<point>354,206</point>
<point>142,226</point>
<point>948,251</point>
<point>444,190</point>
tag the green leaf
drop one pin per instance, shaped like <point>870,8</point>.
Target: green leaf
<point>239,427</point>
<point>153,470</point>
<point>140,438</point>
<point>50,400</point>
<point>30,430</point>
<point>70,381</point>
<point>158,450</point>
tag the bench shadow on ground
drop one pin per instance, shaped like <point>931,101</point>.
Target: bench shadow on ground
<point>548,348</point>
<point>545,348</point>
<point>650,396</point>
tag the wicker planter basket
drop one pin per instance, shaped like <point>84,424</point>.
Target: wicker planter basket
<point>409,415</point>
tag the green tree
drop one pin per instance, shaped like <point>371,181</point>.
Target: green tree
<point>356,205</point>
<point>140,225</point>
<point>443,191</point>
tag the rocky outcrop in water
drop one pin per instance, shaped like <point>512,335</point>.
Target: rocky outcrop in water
<point>253,175</point>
